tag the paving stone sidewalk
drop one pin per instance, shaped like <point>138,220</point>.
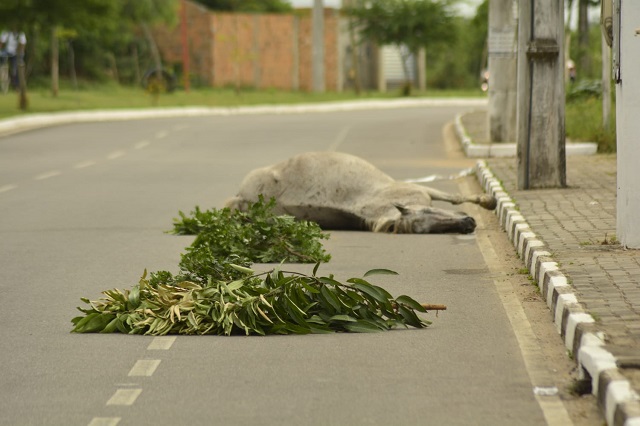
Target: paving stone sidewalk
<point>578,226</point>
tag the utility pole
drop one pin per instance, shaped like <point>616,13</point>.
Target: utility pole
<point>626,44</point>
<point>318,46</point>
<point>541,96</point>
<point>502,71</point>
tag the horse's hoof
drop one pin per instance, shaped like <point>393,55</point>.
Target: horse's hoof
<point>468,225</point>
<point>489,202</point>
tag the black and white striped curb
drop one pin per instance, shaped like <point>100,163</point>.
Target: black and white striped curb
<point>619,403</point>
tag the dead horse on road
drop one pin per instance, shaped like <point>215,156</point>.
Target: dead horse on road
<point>343,192</point>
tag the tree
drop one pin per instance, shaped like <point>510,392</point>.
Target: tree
<point>583,35</point>
<point>408,24</point>
<point>50,15</point>
<point>273,6</point>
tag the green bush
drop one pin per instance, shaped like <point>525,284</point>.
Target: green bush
<point>583,119</point>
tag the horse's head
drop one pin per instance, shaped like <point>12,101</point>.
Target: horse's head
<point>417,219</point>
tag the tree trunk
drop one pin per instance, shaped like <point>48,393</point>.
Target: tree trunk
<point>72,65</point>
<point>405,55</point>
<point>567,38</point>
<point>583,38</point>
<point>136,63</point>
<point>155,53</point>
<point>54,62</point>
<point>354,72</point>
<point>23,102</point>
<point>114,67</point>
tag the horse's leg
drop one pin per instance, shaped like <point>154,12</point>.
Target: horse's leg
<point>487,201</point>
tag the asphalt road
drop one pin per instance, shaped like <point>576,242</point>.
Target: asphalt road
<point>83,209</point>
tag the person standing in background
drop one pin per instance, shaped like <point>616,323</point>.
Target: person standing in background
<point>12,43</point>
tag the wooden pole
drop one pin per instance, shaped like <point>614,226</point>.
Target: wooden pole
<point>541,95</point>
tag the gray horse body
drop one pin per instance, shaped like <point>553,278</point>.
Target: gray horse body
<point>341,191</point>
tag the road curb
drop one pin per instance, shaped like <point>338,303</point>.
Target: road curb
<point>488,150</point>
<point>617,400</point>
<point>34,121</point>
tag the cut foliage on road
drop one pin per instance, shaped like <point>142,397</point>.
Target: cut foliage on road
<point>272,302</point>
<point>259,235</point>
<point>217,292</point>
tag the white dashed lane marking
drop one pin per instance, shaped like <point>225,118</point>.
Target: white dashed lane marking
<point>162,134</point>
<point>84,164</point>
<point>144,367</point>
<point>161,343</point>
<point>141,144</point>
<point>115,154</point>
<point>6,188</point>
<point>124,397</point>
<point>104,421</point>
<point>48,175</point>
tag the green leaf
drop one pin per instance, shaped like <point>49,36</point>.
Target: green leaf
<point>235,285</point>
<point>93,323</point>
<point>331,298</point>
<point>362,327</point>
<point>379,272</point>
<point>410,317</point>
<point>308,287</point>
<point>329,281</point>
<point>346,318</point>
<point>369,290</point>
<point>134,297</point>
<point>244,270</point>
<point>406,300</point>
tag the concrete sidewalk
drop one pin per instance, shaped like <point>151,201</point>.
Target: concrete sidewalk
<point>567,240</point>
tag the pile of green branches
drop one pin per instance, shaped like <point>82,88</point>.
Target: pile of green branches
<point>258,234</point>
<point>265,303</point>
<point>217,292</point>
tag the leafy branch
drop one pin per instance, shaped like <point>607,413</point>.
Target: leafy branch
<point>259,235</point>
<point>217,292</point>
<point>273,302</point>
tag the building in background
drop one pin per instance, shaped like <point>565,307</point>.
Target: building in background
<point>273,51</point>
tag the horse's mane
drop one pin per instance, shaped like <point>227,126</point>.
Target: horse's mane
<point>397,225</point>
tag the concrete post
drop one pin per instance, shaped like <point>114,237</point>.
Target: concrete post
<point>318,46</point>
<point>502,71</point>
<point>540,111</point>
<point>627,123</point>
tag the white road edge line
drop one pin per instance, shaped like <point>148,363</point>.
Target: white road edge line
<point>144,367</point>
<point>553,409</point>
<point>104,421</point>
<point>124,397</point>
<point>48,175</point>
<point>162,343</point>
